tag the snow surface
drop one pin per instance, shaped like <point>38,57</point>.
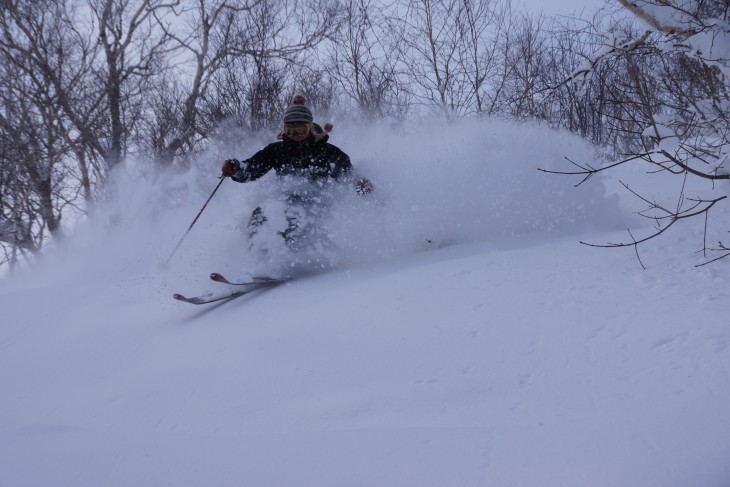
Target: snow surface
<point>502,353</point>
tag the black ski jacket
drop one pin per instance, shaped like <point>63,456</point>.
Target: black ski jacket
<point>313,158</point>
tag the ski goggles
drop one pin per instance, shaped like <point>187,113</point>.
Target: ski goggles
<point>297,129</point>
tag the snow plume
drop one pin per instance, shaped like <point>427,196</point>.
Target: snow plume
<point>475,180</point>
<point>435,185</point>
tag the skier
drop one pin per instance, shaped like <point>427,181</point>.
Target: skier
<point>309,164</point>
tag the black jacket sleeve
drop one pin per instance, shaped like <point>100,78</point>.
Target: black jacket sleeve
<point>257,165</point>
<point>340,162</point>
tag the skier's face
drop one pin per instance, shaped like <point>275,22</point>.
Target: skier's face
<point>297,131</point>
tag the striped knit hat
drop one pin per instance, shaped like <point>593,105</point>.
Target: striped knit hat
<point>298,111</point>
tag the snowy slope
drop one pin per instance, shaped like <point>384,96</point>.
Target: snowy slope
<point>503,353</point>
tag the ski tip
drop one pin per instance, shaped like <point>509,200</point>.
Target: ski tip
<point>179,297</point>
<point>217,277</point>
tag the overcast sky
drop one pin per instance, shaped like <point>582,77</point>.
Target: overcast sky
<point>564,7</point>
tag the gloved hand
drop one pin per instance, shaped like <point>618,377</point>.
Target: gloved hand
<point>363,186</point>
<point>230,167</point>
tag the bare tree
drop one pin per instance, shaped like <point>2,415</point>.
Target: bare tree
<point>95,78</point>
<point>527,63</point>
<point>133,50</point>
<point>208,41</point>
<point>593,108</point>
<point>36,48</point>
<point>430,47</point>
<point>486,27</point>
<point>16,238</point>
<point>674,96</point>
<point>223,35</point>
<point>363,62</point>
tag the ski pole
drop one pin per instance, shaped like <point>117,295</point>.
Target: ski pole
<point>194,220</point>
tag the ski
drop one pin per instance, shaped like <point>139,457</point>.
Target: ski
<point>255,284</point>
<point>212,297</point>
<point>248,281</point>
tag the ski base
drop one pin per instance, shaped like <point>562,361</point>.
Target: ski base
<point>254,284</point>
<point>215,276</point>
<point>210,297</point>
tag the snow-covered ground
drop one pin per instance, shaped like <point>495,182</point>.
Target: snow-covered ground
<point>465,338</point>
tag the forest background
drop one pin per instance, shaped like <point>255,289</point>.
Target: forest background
<point>88,86</point>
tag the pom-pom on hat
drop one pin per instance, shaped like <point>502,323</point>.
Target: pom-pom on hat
<point>297,111</point>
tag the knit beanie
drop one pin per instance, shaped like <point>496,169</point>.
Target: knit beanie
<point>298,111</point>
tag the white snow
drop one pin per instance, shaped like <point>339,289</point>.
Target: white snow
<point>503,353</point>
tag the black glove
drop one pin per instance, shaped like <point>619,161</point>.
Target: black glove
<point>363,186</point>
<point>230,167</point>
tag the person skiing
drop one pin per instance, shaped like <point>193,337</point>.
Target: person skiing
<point>309,164</point>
